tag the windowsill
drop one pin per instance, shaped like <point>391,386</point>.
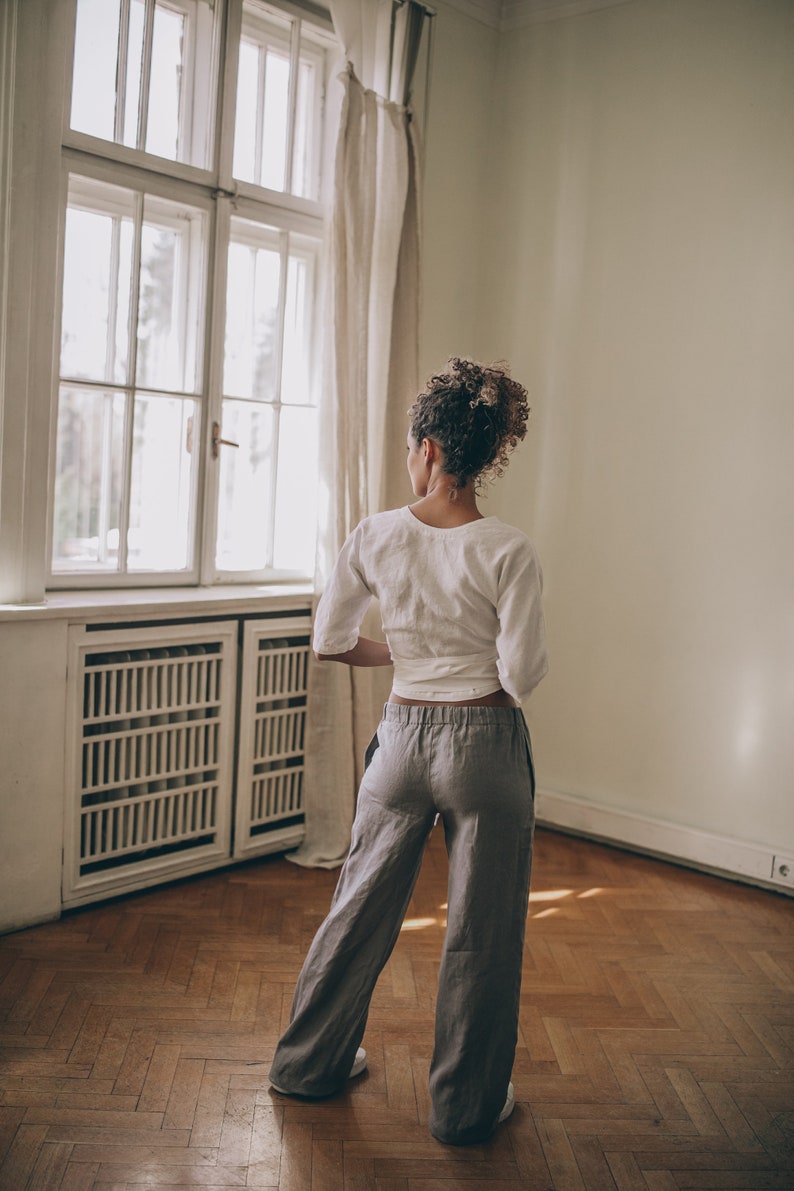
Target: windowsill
<point>148,602</point>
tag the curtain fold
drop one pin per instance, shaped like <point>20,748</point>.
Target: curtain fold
<point>372,336</point>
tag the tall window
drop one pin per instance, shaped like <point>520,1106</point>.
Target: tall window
<point>187,410</point>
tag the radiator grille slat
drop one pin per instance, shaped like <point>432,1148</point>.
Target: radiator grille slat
<point>138,823</point>
<point>146,686</point>
<point>147,754</point>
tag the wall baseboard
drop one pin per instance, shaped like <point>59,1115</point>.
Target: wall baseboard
<point>712,853</point>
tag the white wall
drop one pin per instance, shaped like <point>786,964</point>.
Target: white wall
<point>455,208</point>
<point>639,274</point>
<point>32,735</point>
<point>457,194</point>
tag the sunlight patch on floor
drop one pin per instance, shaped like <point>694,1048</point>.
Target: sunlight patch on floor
<point>550,895</point>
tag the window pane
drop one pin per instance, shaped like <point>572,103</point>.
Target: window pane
<point>88,470</point>
<point>252,309</point>
<point>274,124</point>
<point>298,331</point>
<point>96,281</point>
<point>306,147</point>
<point>244,165</point>
<point>165,83</point>
<point>94,82</point>
<point>162,483</point>
<point>245,500</point>
<point>260,139</point>
<point>171,300</point>
<point>296,497</point>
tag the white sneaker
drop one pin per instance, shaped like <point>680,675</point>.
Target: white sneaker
<point>359,1065</point>
<point>510,1104</point>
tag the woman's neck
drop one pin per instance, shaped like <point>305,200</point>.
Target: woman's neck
<point>444,506</point>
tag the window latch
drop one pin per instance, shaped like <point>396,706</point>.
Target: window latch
<point>217,441</point>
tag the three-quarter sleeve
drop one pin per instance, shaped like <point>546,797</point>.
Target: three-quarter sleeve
<point>343,603</point>
<point>521,638</point>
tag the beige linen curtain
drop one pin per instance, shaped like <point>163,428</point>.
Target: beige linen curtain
<point>372,335</point>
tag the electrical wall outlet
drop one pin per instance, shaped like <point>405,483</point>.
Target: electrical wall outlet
<point>783,870</point>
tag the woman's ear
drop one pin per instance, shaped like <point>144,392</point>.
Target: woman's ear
<point>429,450</point>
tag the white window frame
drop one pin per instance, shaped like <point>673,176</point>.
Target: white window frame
<point>142,187</point>
<point>196,70</point>
<point>257,32</point>
<point>295,222</point>
<point>215,191</point>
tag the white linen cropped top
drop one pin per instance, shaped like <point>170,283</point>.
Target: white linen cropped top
<point>461,607</point>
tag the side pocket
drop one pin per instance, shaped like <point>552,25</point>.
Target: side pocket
<point>372,748</point>
<point>530,760</point>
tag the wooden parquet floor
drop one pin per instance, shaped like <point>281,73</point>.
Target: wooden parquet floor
<point>655,1052</point>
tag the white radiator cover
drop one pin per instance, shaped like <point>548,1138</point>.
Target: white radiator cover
<point>153,714</point>
<point>273,692</point>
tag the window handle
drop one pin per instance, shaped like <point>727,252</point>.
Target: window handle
<point>217,441</point>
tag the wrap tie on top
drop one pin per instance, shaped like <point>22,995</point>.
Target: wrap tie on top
<point>436,678</point>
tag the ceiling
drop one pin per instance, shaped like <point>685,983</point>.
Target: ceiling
<point>514,14</point>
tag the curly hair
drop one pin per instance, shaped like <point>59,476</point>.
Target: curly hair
<point>476,413</point>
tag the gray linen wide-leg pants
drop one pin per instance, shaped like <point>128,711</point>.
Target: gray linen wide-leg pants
<point>473,766</point>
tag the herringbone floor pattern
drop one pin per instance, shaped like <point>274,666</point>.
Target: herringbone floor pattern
<point>655,1052</point>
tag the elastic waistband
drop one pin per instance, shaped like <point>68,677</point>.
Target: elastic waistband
<point>400,713</point>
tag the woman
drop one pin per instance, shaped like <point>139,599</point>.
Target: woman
<point>460,599</point>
